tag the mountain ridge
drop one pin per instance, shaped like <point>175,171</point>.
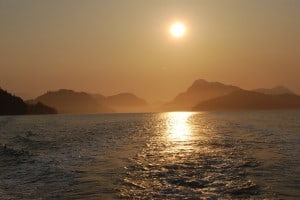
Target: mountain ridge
<point>196,95</point>
<point>70,101</point>
<point>200,90</point>
<point>14,105</point>
<point>250,100</point>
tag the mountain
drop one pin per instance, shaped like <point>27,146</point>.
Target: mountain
<point>125,99</point>
<point>126,102</point>
<point>40,109</point>
<point>249,100</point>
<point>200,90</point>
<point>274,91</point>
<point>13,105</point>
<point>69,101</point>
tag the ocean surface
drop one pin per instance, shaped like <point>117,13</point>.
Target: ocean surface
<point>176,155</point>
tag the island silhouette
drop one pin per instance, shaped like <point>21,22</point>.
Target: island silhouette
<point>200,96</point>
<point>200,90</point>
<point>69,101</point>
<point>13,105</point>
<point>249,100</point>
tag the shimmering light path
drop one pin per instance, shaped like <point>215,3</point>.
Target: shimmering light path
<point>225,155</point>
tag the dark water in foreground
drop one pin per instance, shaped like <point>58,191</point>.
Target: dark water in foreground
<point>227,155</point>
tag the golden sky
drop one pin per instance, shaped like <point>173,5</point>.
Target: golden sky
<point>125,46</point>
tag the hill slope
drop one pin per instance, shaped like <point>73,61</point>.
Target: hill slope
<point>248,100</point>
<point>69,101</point>
<point>200,90</point>
<point>126,102</point>
<point>274,91</point>
<point>13,105</point>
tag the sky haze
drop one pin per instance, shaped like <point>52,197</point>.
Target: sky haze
<point>125,46</point>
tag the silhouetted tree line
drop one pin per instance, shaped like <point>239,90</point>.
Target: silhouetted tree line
<point>13,105</point>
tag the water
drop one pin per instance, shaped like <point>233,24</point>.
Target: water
<point>209,155</point>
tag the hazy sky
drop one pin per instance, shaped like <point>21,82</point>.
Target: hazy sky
<point>124,45</point>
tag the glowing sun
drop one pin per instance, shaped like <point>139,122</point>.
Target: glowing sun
<point>177,29</point>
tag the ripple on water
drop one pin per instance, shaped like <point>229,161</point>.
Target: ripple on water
<point>224,155</point>
<point>188,175</point>
<point>203,165</point>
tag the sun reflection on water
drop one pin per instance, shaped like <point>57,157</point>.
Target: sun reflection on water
<point>179,129</point>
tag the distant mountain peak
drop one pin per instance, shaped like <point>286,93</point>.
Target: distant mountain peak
<point>63,91</point>
<point>202,83</point>
<point>70,101</point>
<point>199,81</point>
<point>200,90</point>
<point>126,94</point>
<point>125,99</point>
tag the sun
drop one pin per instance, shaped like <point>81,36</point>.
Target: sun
<point>177,29</point>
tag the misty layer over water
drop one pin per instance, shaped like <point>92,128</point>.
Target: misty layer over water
<point>179,155</point>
